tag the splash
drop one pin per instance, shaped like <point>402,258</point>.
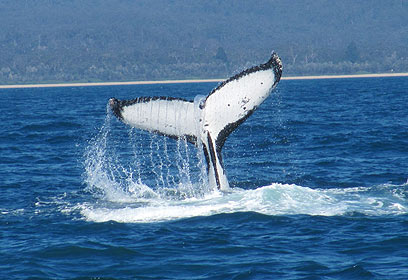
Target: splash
<point>137,177</point>
<point>140,165</point>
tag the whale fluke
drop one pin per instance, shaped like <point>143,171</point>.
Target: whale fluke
<point>208,121</point>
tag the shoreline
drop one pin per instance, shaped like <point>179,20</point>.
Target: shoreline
<point>383,75</point>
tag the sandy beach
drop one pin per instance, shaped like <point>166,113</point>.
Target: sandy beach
<point>197,81</point>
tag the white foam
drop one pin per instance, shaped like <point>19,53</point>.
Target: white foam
<point>275,199</point>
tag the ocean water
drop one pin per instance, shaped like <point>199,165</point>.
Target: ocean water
<point>319,177</point>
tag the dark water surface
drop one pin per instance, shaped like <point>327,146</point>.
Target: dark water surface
<point>319,175</point>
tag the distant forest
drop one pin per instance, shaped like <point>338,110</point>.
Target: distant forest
<point>124,40</point>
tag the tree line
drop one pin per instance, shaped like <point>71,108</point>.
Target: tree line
<point>121,40</point>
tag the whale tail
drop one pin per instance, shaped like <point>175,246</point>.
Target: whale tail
<point>206,121</point>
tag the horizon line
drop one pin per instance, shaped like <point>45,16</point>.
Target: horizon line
<point>381,75</point>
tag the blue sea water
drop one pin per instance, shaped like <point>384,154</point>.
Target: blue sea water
<point>319,175</point>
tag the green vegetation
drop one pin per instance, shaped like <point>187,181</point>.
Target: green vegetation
<point>120,40</point>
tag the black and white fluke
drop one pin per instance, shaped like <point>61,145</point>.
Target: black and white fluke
<point>207,121</point>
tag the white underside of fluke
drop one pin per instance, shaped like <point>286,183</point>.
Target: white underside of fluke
<point>236,99</point>
<point>205,121</point>
<point>168,117</point>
